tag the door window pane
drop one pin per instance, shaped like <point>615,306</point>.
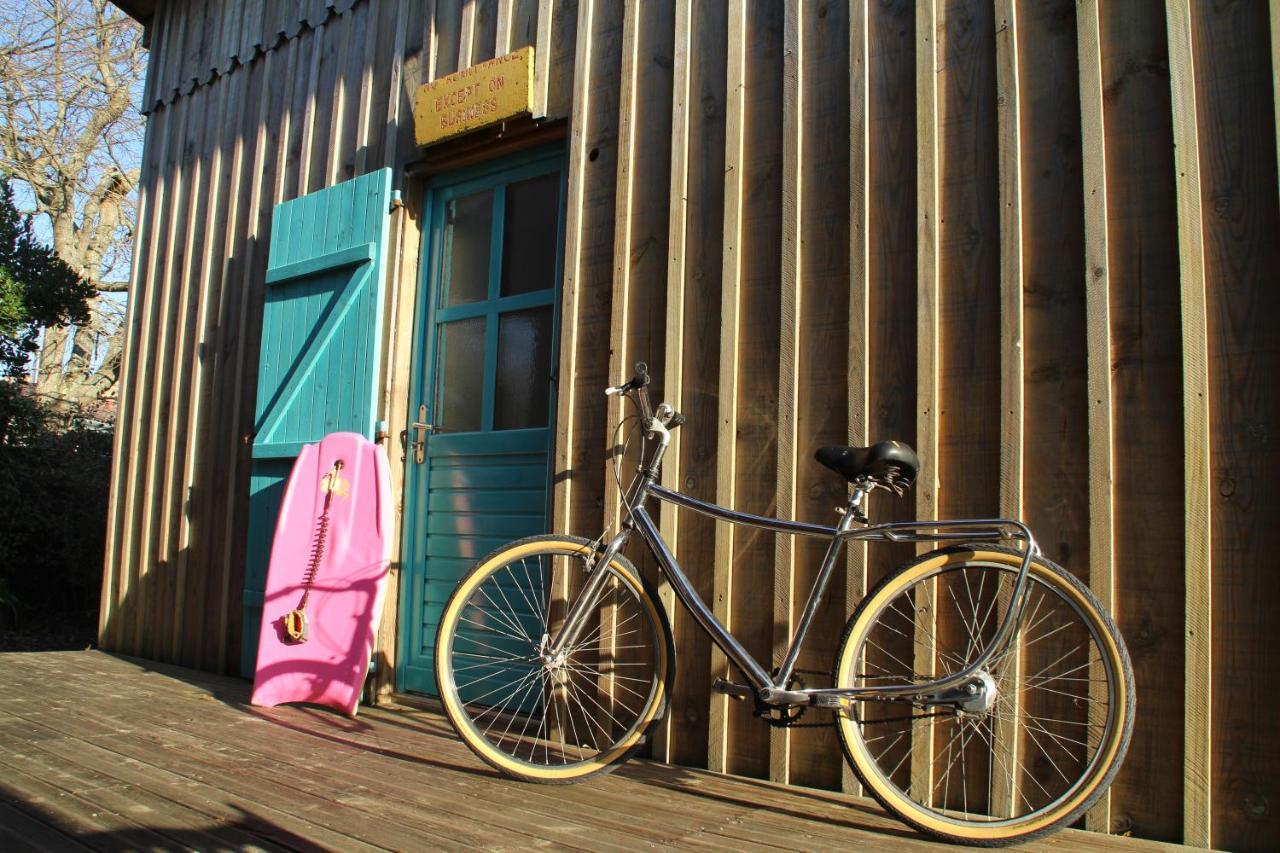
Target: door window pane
<point>529,235</point>
<point>523,393</point>
<point>468,223</point>
<point>460,386</point>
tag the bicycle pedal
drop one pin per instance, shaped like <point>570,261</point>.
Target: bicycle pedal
<point>736,691</point>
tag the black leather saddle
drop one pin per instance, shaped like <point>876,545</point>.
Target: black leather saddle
<point>889,463</point>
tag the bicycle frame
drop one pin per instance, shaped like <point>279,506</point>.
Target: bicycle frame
<point>770,689</point>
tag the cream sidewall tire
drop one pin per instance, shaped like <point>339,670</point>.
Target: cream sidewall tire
<point>1110,753</point>
<point>500,760</point>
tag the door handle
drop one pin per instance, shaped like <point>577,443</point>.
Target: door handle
<point>421,429</point>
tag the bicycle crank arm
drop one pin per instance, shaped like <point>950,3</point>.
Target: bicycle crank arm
<point>737,691</point>
<point>778,696</point>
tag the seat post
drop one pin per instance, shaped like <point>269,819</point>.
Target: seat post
<point>861,488</point>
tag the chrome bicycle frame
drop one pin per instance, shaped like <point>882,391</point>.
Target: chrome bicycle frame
<point>772,689</point>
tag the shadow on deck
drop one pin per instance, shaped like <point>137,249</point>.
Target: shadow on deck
<point>110,753</point>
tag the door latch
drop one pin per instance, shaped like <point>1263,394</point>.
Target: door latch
<point>420,429</point>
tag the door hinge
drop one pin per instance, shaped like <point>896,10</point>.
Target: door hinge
<point>397,201</point>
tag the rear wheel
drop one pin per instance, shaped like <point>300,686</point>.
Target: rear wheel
<point>543,717</point>
<point>1050,719</point>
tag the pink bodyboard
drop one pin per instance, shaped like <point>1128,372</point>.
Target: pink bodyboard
<point>346,595</point>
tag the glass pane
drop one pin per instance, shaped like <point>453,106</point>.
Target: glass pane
<point>460,381</point>
<point>522,396</point>
<point>468,223</point>
<point>529,235</point>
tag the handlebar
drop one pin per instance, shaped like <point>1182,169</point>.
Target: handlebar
<point>639,383</point>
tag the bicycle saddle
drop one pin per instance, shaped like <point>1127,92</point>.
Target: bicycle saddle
<point>891,463</point>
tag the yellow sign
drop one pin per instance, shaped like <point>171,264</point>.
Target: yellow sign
<point>477,96</point>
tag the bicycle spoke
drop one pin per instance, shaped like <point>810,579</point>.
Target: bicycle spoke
<point>1027,760</point>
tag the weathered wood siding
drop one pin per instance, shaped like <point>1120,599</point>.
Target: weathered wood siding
<point>1039,239</point>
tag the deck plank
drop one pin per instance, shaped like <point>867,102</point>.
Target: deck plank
<point>111,753</point>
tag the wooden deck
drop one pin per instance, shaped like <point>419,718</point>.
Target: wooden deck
<point>110,753</point>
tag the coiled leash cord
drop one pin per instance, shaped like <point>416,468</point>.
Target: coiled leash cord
<point>295,621</point>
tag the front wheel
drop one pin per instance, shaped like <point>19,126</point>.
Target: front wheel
<point>1049,719</point>
<point>527,711</point>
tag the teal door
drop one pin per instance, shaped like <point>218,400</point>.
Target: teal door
<point>479,453</point>
<point>321,350</point>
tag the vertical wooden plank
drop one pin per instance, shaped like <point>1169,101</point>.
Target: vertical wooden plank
<point>1275,71</point>
<point>620,355</point>
<point>336,149</point>
<point>166,439</point>
<point>484,31</point>
<point>1056,486</point>
<point>1005,794</point>
<point>1146,376</point>
<point>641,224</point>
<point>823,343</point>
<point>397,99</point>
<point>266,190</point>
<point>673,359</point>
<point>148,631</point>
<point>928,332</point>
<point>467,34</point>
<point>1011,314</point>
<point>562,60</point>
<point>859,349</point>
<point>751,608</point>
<point>1097,289</point>
<point>115,568</point>
<point>210,485</point>
<point>404,244</point>
<point>718,743</point>
<point>542,58</point>
<point>585,313</point>
<point>364,162</point>
<point>703,262</point>
<point>503,27</point>
<point>789,356</point>
<point>307,181</point>
<point>194,283</point>
<point>131,594</point>
<point>1197,770</point>
<point>1233,70</point>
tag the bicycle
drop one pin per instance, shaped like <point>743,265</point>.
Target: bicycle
<point>554,659</point>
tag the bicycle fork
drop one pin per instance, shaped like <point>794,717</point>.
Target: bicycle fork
<point>576,619</point>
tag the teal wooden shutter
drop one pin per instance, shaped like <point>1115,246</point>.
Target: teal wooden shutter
<point>321,350</point>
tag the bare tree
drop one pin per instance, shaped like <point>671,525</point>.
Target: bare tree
<point>71,75</point>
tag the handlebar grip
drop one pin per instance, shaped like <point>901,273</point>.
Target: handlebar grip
<point>676,420</point>
<point>641,378</point>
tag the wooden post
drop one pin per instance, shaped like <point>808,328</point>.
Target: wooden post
<point>1005,788</point>
<point>542,60</point>
<point>789,355</point>
<point>859,289</point>
<point>1097,288</point>
<point>928,329</point>
<point>673,359</point>
<point>1197,775</point>
<point>718,746</point>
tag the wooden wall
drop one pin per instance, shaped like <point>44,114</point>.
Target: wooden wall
<point>1038,239</point>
